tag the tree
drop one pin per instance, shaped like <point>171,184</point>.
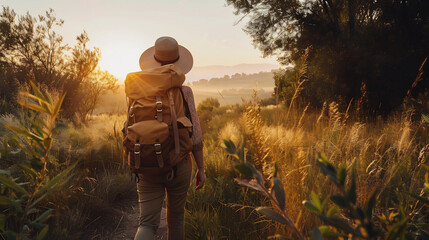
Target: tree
<point>32,47</point>
<point>31,50</point>
<point>91,89</point>
<point>376,43</point>
<point>82,63</point>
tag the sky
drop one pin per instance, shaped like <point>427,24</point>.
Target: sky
<point>123,29</point>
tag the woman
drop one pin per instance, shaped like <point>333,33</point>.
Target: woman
<point>151,189</point>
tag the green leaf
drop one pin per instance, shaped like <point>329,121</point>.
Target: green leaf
<point>56,179</point>
<point>43,233</point>
<point>271,214</point>
<point>49,187</point>
<point>44,216</point>
<point>316,201</point>
<point>3,220</point>
<point>34,107</point>
<point>36,91</point>
<point>40,97</point>
<point>327,232</point>
<point>43,104</point>
<point>420,198</point>
<point>278,191</point>
<point>48,192</point>
<point>324,204</point>
<point>47,143</point>
<point>371,204</point>
<point>251,183</point>
<point>339,200</point>
<point>351,193</point>
<point>5,172</point>
<point>4,201</point>
<point>332,211</point>
<point>36,225</point>
<point>276,168</point>
<point>17,130</point>
<point>28,170</point>
<point>397,229</point>
<point>5,149</point>
<point>48,97</point>
<point>7,181</point>
<point>15,205</point>
<point>58,106</point>
<point>245,169</point>
<point>257,175</point>
<point>316,234</point>
<point>327,169</point>
<point>310,206</point>
<point>341,175</point>
<point>426,118</point>
<point>243,154</point>
<point>37,138</point>
<point>229,147</point>
<point>337,223</point>
<point>32,210</point>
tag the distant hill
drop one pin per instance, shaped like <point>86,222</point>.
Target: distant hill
<point>231,89</point>
<point>207,72</point>
<point>228,89</point>
<point>237,80</point>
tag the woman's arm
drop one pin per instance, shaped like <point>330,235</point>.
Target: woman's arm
<point>197,137</point>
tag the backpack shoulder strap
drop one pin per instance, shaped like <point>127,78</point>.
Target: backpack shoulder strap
<point>185,102</point>
<point>174,121</point>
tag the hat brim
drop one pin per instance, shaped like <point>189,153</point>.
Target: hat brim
<point>184,63</point>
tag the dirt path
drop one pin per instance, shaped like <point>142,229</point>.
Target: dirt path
<point>128,226</point>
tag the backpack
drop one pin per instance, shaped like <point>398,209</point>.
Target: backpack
<point>158,129</point>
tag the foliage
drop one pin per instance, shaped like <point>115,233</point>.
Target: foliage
<point>360,220</point>
<point>205,112</point>
<point>96,84</point>
<point>253,179</point>
<point>355,222</point>
<point>220,210</point>
<point>32,50</point>
<point>23,215</point>
<point>261,154</point>
<point>379,44</point>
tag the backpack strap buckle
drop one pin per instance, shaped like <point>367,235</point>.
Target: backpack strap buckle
<point>137,155</point>
<point>158,152</point>
<point>158,108</point>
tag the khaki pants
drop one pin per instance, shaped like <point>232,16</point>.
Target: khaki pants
<point>151,191</point>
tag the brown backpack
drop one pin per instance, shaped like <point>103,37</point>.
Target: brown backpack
<point>158,129</point>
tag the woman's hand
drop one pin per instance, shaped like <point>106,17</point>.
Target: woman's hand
<point>200,178</point>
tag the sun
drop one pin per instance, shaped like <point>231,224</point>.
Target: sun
<point>121,57</point>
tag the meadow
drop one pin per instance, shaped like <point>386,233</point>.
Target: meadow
<point>388,154</point>
<point>339,151</point>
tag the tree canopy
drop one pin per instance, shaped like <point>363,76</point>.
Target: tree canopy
<point>375,45</point>
<point>32,51</point>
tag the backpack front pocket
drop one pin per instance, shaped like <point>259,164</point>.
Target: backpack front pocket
<point>149,144</point>
<point>148,132</point>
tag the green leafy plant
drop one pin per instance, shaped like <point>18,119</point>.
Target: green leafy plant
<point>359,221</point>
<point>23,215</point>
<point>253,179</point>
<point>343,216</point>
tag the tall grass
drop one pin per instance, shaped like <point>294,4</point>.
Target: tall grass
<point>103,188</point>
<point>389,154</point>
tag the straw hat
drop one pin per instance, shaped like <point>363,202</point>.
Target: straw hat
<point>166,51</point>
